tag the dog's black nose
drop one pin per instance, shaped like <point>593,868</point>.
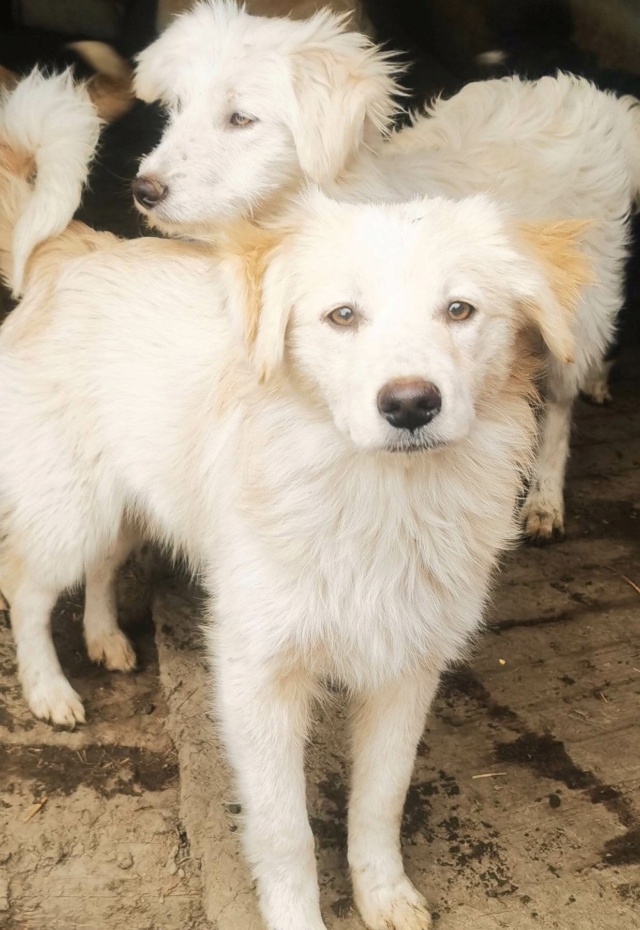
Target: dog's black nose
<point>409,403</point>
<point>148,191</point>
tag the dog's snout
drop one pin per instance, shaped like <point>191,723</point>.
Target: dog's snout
<point>409,403</point>
<point>148,190</point>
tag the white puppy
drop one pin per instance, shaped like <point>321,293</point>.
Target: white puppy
<point>256,105</point>
<point>331,420</point>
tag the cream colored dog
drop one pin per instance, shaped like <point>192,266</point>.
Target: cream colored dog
<point>330,419</point>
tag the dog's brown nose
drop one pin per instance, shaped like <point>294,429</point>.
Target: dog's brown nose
<point>148,191</point>
<point>409,403</point>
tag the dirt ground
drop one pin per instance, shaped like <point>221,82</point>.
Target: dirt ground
<point>107,848</point>
<point>524,812</point>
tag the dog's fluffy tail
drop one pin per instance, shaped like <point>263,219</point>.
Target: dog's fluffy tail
<point>49,130</point>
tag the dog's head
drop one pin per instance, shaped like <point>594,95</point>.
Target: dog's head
<point>401,321</point>
<point>254,105</point>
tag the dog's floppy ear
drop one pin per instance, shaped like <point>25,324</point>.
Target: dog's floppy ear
<point>550,304</point>
<point>343,88</point>
<point>255,263</point>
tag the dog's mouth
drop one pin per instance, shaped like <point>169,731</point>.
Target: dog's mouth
<point>159,218</point>
<point>408,442</point>
<point>167,220</point>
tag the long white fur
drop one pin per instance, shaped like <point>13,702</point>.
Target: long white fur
<point>52,121</point>
<point>322,98</point>
<point>208,399</point>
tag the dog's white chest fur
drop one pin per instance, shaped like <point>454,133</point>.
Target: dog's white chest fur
<point>364,565</point>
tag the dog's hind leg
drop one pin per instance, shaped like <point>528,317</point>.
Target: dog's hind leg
<point>387,726</point>
<point>106,643</point>
<point>543,510</point>
<point>46,690</point>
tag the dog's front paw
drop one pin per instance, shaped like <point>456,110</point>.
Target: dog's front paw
<point>56,701</point>
<point>543,521</point>
<point>397,906</point>
<point>113,650</point>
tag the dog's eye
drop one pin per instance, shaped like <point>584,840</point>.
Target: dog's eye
<point>342,316</point>
<point>240,120</point>
<point>459,311</point>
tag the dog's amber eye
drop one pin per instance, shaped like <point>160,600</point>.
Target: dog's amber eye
<point>238,119</point>
<point>460,311</point>
<point>342,316</point>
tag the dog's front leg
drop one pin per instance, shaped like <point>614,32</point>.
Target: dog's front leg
<point>265,717</point>
<point>32,597</point>
<point>387,726</point>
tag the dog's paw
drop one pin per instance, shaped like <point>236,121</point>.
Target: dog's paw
<point>397,906</point>
<point>56,702</point>
<point>113,650</point>
<point>543,522</point>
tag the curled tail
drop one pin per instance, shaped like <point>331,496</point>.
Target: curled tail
<point>48,133</point>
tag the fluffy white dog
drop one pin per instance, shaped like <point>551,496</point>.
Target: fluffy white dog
<point>330,419</point>
<point>257,105</point>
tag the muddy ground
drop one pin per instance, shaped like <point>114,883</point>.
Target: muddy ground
<point>106,848</point>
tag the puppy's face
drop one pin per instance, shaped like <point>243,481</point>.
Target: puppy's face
<point>401,320</point>
<point>226,148</point>
<point>253,105</point>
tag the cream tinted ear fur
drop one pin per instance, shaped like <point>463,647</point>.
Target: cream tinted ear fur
<point>339,92</point>
<point>565,270</point>
<point>257,292</point>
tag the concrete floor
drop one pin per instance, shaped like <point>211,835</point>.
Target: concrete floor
<point>140,825</point>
